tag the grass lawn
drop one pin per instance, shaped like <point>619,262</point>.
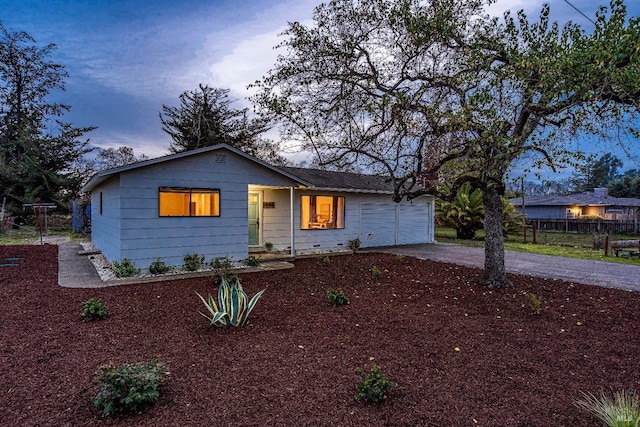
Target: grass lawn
<point>572,245</point>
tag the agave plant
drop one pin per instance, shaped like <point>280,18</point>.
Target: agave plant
<point>234,304</point>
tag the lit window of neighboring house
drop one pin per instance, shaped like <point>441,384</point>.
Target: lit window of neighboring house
<point>188,201</point>
<point>322,212</point>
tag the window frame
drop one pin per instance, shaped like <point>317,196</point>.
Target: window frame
<point>190,191</point>
<point>335,212</point>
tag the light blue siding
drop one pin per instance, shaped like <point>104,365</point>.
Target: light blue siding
<point>546,212</point>
<point>105,221</point>
<point>138,233</point>
<point>130,226</point>
<point>275,221</point>
<point>378,228</point>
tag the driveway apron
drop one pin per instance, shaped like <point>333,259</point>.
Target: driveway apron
<point>599,273</point>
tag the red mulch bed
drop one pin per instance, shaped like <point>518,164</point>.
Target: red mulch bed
<point>294,364</point>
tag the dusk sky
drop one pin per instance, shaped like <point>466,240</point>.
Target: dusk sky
<point>127,58</point>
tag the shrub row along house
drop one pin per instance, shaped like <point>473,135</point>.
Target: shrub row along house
<point>221,202</point>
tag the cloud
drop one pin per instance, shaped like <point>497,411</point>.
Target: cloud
<point>241,54</point>
<point>249,61</point>
<point>168,56</point>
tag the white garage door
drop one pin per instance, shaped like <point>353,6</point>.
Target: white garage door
<point>394,224</point>
<point>377,224</point>
<point>413,223</point>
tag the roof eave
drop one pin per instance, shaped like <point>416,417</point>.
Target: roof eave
<point>104,175</point>
<point>350,190</point>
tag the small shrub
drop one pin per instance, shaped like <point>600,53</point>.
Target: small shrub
<point>591,217</point>
<point>94,309</point>
<point>375,271</point>
<point>337,297</point>
<point>354,244</point>
<point>193,262</point>
<point>222,266</point>
<point>399,258</point>
<point>326,261</point>
<point>252,261</point>
<point>126,268</point>
<point>129,387</point>
<point>534,303</point>
<point>268,246</point>
<point>373,387</point>
<point>621,411</point>
<point>158,267</point>
<point>221,263</point>
<point>234,305</point>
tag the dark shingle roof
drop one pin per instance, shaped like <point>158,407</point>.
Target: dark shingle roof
<point>322,179</point>
<point>581,199</point>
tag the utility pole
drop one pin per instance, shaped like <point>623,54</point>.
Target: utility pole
<point>524,215</point>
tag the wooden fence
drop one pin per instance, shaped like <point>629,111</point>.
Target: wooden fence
<point>587,226</point>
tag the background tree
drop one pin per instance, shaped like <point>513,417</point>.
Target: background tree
<point>413,88</point>
<point>627,185</point>
<point>206,117</point>
<point>106,158</point>
<point>539,188</point>
<point>36,148</point>
<point>595,172</point>
<point>109,158</point>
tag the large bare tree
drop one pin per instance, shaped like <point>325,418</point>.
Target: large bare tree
<point>439,90</point>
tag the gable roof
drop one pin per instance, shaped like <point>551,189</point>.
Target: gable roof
<point>102,176</point>
<point>315,179</point>
<point>580,199</point>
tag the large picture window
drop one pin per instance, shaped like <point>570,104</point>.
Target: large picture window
<point>188,202</point>
<point>322,212</point>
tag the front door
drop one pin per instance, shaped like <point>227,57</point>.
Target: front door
<point>254,219</point>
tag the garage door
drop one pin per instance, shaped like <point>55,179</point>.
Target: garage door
<point>377,224</point>
<point>394,224</point>
<point>413,223</point>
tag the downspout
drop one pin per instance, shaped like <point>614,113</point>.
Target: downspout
<point>293,240</point>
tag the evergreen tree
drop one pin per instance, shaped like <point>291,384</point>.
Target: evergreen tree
<point>627,185</point>
<point>37,149</point>
<point>595,172</point>
<point>206,117</point>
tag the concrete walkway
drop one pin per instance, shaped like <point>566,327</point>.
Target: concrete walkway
<point>600,273</point>
<point>77,271</point>
<point>74,270</point>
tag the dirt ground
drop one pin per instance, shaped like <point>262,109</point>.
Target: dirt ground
<point>461,354</point>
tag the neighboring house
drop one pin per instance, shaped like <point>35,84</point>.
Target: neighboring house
<point>221,202</point>
<point>576,206</point>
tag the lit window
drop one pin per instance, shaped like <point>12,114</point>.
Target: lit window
<point>322,212</point>
<point>188,202</point>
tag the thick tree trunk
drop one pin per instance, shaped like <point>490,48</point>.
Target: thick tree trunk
<point>495,275</point>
